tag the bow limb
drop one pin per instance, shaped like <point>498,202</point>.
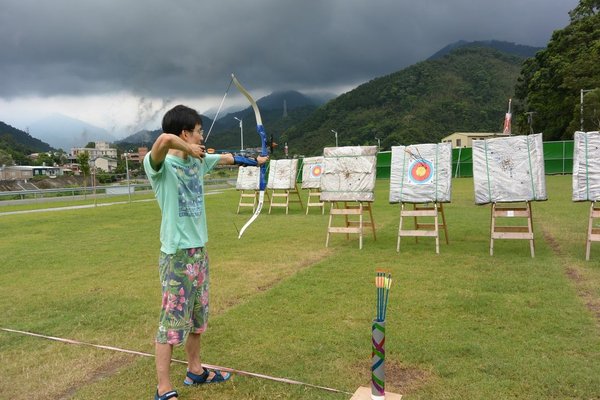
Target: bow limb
<point>263,141</point>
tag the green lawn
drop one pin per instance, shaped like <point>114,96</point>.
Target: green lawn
<point>461,324</point>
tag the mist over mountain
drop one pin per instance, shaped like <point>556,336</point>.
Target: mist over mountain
<point>279,110</point>
<point>63,132</point>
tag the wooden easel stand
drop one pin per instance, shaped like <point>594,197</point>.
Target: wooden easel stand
<point>422,229</point>
<point>351,225</point>
<point>593,233</point>
<point>522,232</point>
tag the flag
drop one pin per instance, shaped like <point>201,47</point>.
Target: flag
<point>507,119</point>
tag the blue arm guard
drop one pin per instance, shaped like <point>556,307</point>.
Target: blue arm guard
<point>244,161</point>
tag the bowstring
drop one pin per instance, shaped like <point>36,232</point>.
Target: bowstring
<point>218,110</point>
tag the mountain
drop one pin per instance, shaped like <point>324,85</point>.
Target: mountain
<point>146,137</point>
<point>141,138</point>
<point>505,47</point>
<point>291,98</point>
<point>23,139</point>
<point>65,132</point>
<point>16,145</point>
<point>465,90</point>
<point>226,134</point>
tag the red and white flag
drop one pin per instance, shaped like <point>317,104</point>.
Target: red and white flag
<point>507,118</point>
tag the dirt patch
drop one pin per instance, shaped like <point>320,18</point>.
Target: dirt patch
<point>591,302</point>
<point>553,243</point>
<point>403,379</point>
<point>103,371</point>
<point>574,275</point>
<point>399,378</point>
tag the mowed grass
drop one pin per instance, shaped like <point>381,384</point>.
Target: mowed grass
<point>461,324</point>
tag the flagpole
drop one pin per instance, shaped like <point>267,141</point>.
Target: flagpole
<point>507,120</point>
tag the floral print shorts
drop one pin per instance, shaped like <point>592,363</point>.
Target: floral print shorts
<point>184,280</point>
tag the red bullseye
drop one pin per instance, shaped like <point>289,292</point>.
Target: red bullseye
<point>421,171</point>
<point>316,170</point>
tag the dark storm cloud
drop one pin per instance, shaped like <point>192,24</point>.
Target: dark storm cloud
<point>188,47</point>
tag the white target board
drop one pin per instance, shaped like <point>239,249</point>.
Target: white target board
<point>349,173</point>
<point>248,178</point>
<point>282,174</point>
<point>586,166</point>
<point>312,169</point>
<point>421,173</point>
<point>509,169</point>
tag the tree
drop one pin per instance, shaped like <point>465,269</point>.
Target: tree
<point>44,159</point>
<point>83,159</point>
<point>550,83</point>
<point>5,158</point>
<point>585,8</point>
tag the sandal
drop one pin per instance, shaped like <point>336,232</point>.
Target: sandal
<point>194,379</point>
<point>165,396</point>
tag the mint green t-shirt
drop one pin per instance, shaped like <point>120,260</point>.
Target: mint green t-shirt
<point>179,189</point>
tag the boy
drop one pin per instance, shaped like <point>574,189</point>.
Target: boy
<point>176,166</point>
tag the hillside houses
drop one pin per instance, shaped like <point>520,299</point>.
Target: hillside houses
<point>101,157</point>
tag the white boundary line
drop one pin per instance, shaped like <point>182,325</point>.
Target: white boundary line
<point>139,353</point>
<point>35,210</point>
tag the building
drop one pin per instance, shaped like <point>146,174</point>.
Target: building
<point>102,156</point>
<point>102,149</point>
<point>105,164</point>
<point>22,172</point>
<point>465,139</point>
<point>136,157</point>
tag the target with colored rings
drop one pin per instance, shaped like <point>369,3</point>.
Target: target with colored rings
<point>420,171</point>
<point>316,170</point>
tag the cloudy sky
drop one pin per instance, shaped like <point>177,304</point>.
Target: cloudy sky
<point>119,64</point>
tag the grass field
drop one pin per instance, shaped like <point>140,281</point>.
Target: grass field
<point>461,324</point>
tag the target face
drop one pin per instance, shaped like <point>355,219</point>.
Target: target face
<point>420,171</point>
<point>316,170</point>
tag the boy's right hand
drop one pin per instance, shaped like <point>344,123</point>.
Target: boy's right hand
<point>197,150</point>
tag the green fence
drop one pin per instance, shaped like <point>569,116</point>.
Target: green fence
<point>558,159</point>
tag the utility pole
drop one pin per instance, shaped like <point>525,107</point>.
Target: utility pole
<point>336,139</point>
<point>127,171</point>
<point>581,107</point>
<point>241,134</point>
<point>530,120</point>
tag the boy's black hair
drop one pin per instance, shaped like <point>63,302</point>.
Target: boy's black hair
<point>180,118</point>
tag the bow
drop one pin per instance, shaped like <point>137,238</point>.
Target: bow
<point>263,140</point>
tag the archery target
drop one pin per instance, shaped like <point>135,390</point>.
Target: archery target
<point>420,171</point>
<point>586,166</point>
<point>312,170</point>
<point>509,169</point>
<point>248,178</point>
<point>282,174</point>
<point>349,173</point>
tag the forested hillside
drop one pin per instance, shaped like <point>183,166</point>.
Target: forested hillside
<point>15,145</point>
<point>551,83</point>
<point>466,90</point>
